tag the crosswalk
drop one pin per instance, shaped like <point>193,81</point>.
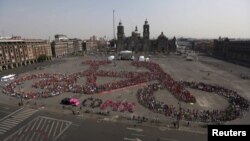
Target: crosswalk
<point>14,119</point>
<point>40,129</point>
<point>136,134</point>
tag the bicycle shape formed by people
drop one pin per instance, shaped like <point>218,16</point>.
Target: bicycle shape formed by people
<point>55,84</point>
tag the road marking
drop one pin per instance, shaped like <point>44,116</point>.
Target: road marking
<point>55,129</point>
<point>19,119</point>
<point>51,128</point>
<point>6,128</point>
<point>47,125</point>
<point>61,127</point>
<point>7,125</point>
<point>135,129</point>
<point>43,126</point>
<point>19,132</point>
<point>140,135</point>
<point>68,123</point>
<point>10,121</point>
<point>39,124</point>
<point>11,114</point>
<point>40,128</point>
<point>34,125</point>
<point>131,139</point>
<point>21,116</point>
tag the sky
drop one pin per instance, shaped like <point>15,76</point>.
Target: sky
<point>84,18</point>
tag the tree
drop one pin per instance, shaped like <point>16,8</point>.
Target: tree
<point>42,58</point>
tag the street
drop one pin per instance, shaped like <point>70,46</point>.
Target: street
<point>28,124</point>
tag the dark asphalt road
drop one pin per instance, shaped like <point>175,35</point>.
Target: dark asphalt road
<point>95,130</point>
<point>6,110</point>
<point>108,131</point>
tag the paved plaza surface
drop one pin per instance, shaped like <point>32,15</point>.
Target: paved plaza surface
<point>88,125</point>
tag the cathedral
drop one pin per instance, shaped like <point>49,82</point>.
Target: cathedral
<point>137,43</point>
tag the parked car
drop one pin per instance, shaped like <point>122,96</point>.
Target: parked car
<point>74,102</point>
<point>66,101</point>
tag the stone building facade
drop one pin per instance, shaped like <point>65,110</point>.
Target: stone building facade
<point>137,43</point>
<point>38,47</point>
<point>62,46</point>
<point>236,51</point>
<point>15,53</point>
<point>91,44</point>
<point>77,45</point>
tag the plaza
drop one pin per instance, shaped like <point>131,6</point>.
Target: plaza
<point>206,70</point>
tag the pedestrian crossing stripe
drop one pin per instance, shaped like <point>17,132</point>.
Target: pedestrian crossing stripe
<point>13,119</point>
<point>45,128</point>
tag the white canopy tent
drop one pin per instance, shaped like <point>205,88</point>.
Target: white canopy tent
<point>8,77</point>
<point>111,58</point>
<point>125,51</point>
<point>141,58</point>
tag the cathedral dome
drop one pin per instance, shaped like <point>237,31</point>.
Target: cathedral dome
<point>162,36</point>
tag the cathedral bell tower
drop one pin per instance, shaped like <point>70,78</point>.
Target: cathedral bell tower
<point>120,37</point>
<point>120,31</point>
<point>146,41</point>
<point>146,30</point>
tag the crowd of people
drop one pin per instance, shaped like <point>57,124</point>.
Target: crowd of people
<point>92,102</point>
<point>48,85</point>
<point>237,104</point>
<point>118,106</point>
<point>168,82</point>
<point>109,105</point>
<point>47,79</point>
<point>54,84</point>
<point>145,97</point>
